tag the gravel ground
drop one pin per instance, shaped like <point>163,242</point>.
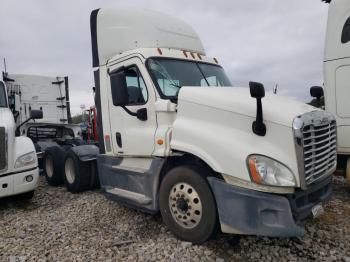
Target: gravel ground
<point>60,226</point>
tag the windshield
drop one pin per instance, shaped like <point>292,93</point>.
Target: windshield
<point>170,75</point>
<point>3,100</point>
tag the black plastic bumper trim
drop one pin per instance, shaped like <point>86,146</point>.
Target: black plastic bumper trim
<point>23,171</point>
<point>249,212</point>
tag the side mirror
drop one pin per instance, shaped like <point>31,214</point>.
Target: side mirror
<point>316,92</point>
<point>257,91</point>
<point>36,114</point>
<point>141,114</point>
<point>119,88</point>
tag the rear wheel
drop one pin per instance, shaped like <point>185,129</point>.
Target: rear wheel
<point>53,161</point>
<point>187,204</point>
<point>77,174</point>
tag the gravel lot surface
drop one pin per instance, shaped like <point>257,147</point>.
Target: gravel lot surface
<point>60,226</point>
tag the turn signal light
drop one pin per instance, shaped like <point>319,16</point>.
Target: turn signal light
<point>253,172</point>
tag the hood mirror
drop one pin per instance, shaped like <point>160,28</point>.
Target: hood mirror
<point>316,92</point>
<point>257,91</point>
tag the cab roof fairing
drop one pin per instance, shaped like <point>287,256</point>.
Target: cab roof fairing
<point>114,31</point>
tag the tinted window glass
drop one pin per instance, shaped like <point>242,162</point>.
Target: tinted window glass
<point>170,75</point>
<point>137,90</point>
<point>346,32</point>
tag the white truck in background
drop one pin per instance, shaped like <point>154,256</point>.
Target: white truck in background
<point>18,162</point>
<point>175,137</point>
<point>337,77</point>
<point>49,95</point>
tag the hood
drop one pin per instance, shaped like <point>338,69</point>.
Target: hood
<point>277,109</point>
<point>6,117</point>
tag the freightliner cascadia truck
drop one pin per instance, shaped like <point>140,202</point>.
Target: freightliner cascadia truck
<point>337,77</point>
<point>19,171</point>
<point>175,137</point>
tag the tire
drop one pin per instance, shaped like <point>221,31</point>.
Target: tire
<point>77,174</point>
<point>53,165</point>
<point>194,202</point>
<point>347,172</point>
<point>27,196</point>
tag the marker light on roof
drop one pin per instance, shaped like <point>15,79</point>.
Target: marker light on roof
<point>159,51</point>
<point>185,54</point>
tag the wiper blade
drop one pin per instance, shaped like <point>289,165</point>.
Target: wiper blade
<point>178,86</point>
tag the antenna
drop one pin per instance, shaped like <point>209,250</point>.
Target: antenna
<point>275,89</point>
<point>5,65</point>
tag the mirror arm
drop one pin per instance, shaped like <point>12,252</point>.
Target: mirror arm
<point>17,133</point>
<point>259,128</point>
<point>128,111</point>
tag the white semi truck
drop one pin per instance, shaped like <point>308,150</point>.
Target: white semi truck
<point>18,162</point>
<point>49,95</point>
<point>176,137</point>
<point>337,76</point>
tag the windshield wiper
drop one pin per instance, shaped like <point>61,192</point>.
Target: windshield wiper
<point>178,86</point>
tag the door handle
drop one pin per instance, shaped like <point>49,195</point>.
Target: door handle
<point>118,137</point>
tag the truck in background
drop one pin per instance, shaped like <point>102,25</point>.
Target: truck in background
<point>337,77</point>
<point>18,162</point>
<point>175,137</point>
<point>49,95</point>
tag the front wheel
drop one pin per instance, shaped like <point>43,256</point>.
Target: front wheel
<point>187,204</point>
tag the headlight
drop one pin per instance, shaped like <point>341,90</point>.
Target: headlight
<point>26,160</point>
<point>266,171</point>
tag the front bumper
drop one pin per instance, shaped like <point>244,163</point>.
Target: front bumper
<point>248,212</point>
<point>15,183</point>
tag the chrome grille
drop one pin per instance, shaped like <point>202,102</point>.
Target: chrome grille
<point>3,146</point>
<point>320,150</point>
<point>316,144</point>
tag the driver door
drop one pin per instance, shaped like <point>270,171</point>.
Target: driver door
<point>130,135</point>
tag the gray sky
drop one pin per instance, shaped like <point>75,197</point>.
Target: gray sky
<point>269,41</point>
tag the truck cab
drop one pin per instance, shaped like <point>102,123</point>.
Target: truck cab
<point>337,76</point>
<point>19,171</point>
<point>176,137</point>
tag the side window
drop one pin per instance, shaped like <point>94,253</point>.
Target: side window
<point>346,32</point>
<point>137,91</point>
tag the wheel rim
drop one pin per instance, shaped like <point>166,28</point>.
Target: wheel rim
<point>69,170</point>
<point>185,205</point>
<point>49,166</point>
